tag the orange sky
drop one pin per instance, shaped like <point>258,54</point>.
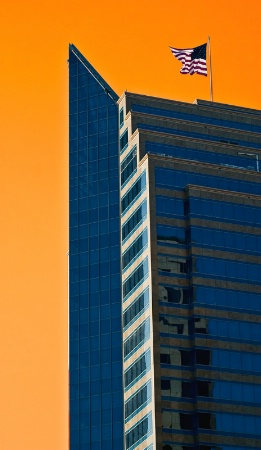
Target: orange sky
<point>127,42</point>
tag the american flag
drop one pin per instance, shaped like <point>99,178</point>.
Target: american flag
<point>193,59</point>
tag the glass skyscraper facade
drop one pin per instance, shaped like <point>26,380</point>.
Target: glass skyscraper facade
<point>95,357</point>
<point>184,301</point>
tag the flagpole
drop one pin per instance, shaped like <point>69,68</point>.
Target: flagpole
<point>210,66</point>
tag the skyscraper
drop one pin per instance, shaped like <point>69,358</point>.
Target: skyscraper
<point>95,359</point>
<point>189,241</point>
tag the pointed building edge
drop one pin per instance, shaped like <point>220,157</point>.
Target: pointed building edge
<point>94,72</point>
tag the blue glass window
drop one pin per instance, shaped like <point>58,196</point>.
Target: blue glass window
<point>173,265</point>
<point>172,325</point>
<point>137,401</point>
<point>172,388</point>
<point>176,357</point>
<point>183,131</point>
<point>135,278</point>
<point>235,160</point>
<point>121,117</point>
<point>167,234</point>
<point>139,432</point>
<point>171,179</point>
<point>137,369</point>
<point>137,338</point>
<point>173,294</point>
<point>227,298</point>
<point>136,308</point>
<point>247,243</point>
<point>219,422</point>
<point>230,329</point>
<point>128,165</point>
<point>134,192</point>
<point>228,359</point>
<point>178,114</point>
<point>124,140</point>
<point>135,249</point>
<point>221,268</point>
<point>225,211</point>
<point>169,206</point>
<point>229,391</point>
<point>135,219</point>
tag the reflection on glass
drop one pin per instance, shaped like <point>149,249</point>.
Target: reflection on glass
<point>201,325</point>
<point>174,325</point>
<point>173,356</point>
<point>170,235</point>
<point>177,388</point>
<point>203,357</point>
<point>175,295</point>
<point>186,421</point>
<point>172,264</point>
<point>182,326</point>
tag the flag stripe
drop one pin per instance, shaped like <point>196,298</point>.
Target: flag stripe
<point>193,59</point>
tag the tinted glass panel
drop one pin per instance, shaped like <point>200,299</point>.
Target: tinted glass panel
<point>136,308</point>
<point>135,249</point>
<point>128,165</point>
<point>137,338</point>
<point>134,192</point>
<point>94,260</point>
<point>134,220</point>
<point>135,278</point>
<point>138,400</point>
<point>137,369</point>
<point>139,431</point>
